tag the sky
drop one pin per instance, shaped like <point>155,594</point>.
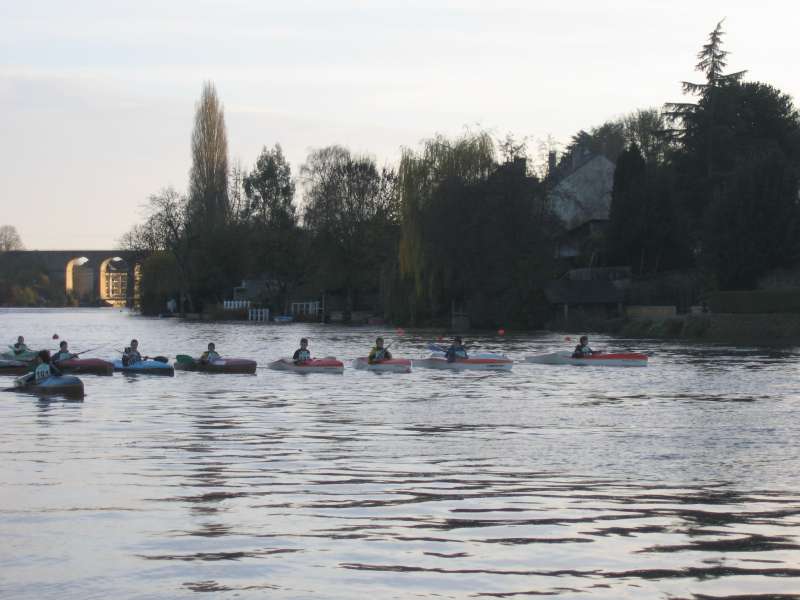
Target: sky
<point>97,98</point>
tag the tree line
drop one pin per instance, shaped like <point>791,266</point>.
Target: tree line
<point>464,223</point>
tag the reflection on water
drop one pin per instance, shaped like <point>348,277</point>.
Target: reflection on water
<point>675,481</point>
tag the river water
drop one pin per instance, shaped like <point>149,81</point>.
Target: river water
<point>679,480</point>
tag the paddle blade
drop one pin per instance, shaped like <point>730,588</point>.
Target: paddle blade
<point>163,359</point>
<point>185,359</point>
<point>436,348</point>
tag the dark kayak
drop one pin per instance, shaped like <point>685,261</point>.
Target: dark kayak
<point>86,366</point>
<point>55,385</point>
<point>14,367</point>
<point>223,365</point>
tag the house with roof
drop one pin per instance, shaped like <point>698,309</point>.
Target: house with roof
<point>582,202</point>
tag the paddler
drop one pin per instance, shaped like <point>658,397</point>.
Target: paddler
<point>63,353</point>
<point>20,347</point>
<point>210,355</point>
<point>44,369</point>
<point>302,354</point>
<point>456,350</point>
<point>582,350</point>
<point>379,353</point>
<point>131,354</point>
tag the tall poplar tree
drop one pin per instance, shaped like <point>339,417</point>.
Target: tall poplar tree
<point>208,178</point>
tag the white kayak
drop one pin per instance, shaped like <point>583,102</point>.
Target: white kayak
<point>619,359</point>
<point>476,362</point>
<point>392,365</point>
<point>314,365</point>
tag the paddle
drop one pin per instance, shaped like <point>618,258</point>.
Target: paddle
<point>385,349</point>
<point>77,354</point>
<point>21,382</point>
<point>85,351</point>
<point>162,359</point>
<point>436,348</point>
<point>184,359</point>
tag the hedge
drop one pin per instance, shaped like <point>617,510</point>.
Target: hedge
<point>755,302</point>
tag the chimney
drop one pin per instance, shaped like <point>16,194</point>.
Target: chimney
<point>551,162</point>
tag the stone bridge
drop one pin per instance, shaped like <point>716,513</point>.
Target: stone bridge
<point>94,275</point>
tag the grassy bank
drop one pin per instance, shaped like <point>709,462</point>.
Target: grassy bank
<point>742,328</point>
<point>753,328</point>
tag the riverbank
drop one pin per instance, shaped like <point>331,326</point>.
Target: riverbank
<point>738,328</point>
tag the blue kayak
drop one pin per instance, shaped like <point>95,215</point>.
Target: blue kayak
<point>145,367</point>
<point>65,385</point>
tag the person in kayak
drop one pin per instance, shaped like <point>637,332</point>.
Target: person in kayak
<point>20,347</point>
<point>210,355</point>
<point>456,350</point>
<point>379,353</point>
<point>44,369</point>
<point>63,353</point>
<point>582,350</point>
<point>131,354</point>
<point>302,354</point>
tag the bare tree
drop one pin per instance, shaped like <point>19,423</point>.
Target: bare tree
<point>9,239</point>
<point>208,178</point>
<point>165,231</point>
<point>511,148</point>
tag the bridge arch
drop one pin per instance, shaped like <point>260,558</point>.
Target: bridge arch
<point>78,278</point>
<point>115,274</point>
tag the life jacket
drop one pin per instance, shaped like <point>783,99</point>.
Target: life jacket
<point>59,356</point>
<point>303,355</point>
<point>20,348</point>
<point>131,357</point>
<point>454,352</point>
<point>42,372</point>
<point>209,356</point>
<point>581,351</point>
<point>376,355</point>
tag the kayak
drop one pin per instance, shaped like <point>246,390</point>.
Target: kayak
<point>476,362</point>
<point>145,367</point>
<point>392,365</point>
<point>619,359</point>
<point>28,356</point>
<point>14,367</point>
<point>315,365</point>
<point>224,365</point>
<point>86,366</point>
<point>64,385</point>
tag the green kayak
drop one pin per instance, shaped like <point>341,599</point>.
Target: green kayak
<point>28,356</point>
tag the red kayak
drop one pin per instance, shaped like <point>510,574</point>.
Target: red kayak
<point>390,365</point>
<point>86,366</point>
<point>315,365</point>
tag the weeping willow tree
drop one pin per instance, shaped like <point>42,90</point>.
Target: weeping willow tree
<point>467,159</point>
